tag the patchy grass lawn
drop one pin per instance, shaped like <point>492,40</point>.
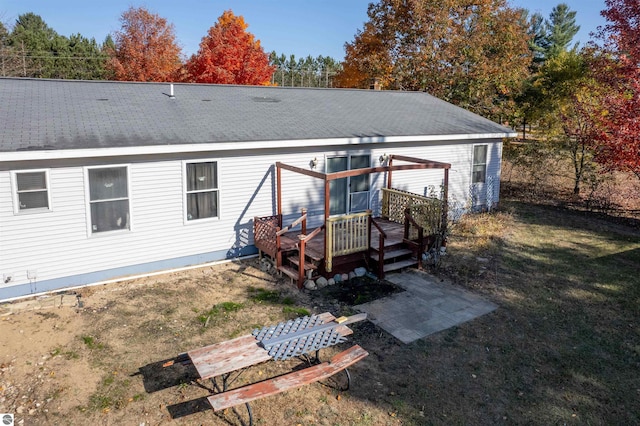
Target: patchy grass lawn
<point>562,348</point>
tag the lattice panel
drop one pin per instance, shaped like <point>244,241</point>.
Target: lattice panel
<point>296,337</point>
<point>426,211</point>
<point>264,233</point>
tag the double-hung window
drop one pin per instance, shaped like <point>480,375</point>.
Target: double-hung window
<point>202,194</point>
<point>479,170</point>
<point>109,198</point>
<point>31,191</point>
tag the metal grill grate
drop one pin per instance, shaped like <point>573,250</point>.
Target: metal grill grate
<point>296,337</point>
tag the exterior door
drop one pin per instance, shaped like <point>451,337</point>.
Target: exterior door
<point>351,194</point>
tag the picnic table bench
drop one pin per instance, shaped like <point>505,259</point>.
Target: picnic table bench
<point>295,338</point>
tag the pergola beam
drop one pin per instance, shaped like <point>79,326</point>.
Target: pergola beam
<point>419,164</point>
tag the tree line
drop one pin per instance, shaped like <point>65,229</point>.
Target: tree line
<point>144,49</point>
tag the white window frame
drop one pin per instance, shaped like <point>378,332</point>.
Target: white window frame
<point>15,192</point>
<point>87,192</point>
<point>485,163</point>
<point>217,190</point>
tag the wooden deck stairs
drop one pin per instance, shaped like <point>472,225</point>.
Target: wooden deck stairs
<point>391,250</point>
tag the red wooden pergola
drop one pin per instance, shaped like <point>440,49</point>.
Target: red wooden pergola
<point>417,163</point>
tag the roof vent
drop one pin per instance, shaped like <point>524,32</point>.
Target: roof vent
<point>265,99</point>
<point>171,95</point>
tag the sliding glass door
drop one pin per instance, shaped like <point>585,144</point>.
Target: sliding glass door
<point>350,194</point>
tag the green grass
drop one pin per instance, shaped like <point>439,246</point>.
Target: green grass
<point>293,312</point>
<point>218,310</point>
<point>91,342</point>
<point>260,295</point>
<point>567,331</point>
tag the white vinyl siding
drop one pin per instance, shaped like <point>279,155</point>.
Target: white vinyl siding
<point>30,189</point>
<point>57,244</point>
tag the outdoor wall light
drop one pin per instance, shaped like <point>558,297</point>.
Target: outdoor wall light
<point>313,163</point>
<point>384,158</point>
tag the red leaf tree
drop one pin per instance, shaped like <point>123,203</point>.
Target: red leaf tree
<point>229,54</point>
<point>145,49</point>
<point>618,68</point>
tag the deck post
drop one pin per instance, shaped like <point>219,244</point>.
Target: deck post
<point>303,212</point>
<point>279,188</point>
<point>327,197</point>
<point>445,205</point>
<point>369,212</point>
<point>389,172</point>
<point>301,264</point>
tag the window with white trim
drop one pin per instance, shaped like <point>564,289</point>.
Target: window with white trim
<point>31,191</point>
<point>202,194</point>
<point>479,170</point>
<point>109,198</point>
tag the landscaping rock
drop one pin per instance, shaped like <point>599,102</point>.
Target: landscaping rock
<point>351,275</point>
<point>344,277</point>
<point>321,282</point>
<point>360,272</point>
<point>337,278</point>
<point>310,285</point>
<point>331,281</point>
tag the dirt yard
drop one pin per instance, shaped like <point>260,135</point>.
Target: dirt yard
<point>101,362</point>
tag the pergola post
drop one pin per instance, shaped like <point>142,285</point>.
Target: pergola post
<point>326,212</point>
<point>278,189</point>
<point>445,202</point>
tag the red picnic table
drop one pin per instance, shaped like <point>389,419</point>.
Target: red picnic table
<point>294,338</point>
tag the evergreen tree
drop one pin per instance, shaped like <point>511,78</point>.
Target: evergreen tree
<point>34,40</point>
<point>303,72</point>
<point>554,35</point>
<point>561,28</point>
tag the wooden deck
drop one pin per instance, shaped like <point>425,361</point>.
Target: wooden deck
<point>315,247</point>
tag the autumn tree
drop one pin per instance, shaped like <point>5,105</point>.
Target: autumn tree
<point>229,54</point>
<point>617,68</point>
<point>570,99</point>
<point>472,54</point>
<point>145,49</point>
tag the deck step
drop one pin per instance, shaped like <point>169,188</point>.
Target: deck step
<point>392,254</point>
<point>307,265</point>
<point>388,267</point>
<point>288,244</point>
<point>289,271</point>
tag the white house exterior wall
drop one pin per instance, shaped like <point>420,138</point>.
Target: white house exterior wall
<point>58,250</point>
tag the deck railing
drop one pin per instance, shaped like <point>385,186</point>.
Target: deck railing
<point>426,211</point>
<point>346,234</point>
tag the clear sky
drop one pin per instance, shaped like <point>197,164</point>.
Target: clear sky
<point>299,27</point>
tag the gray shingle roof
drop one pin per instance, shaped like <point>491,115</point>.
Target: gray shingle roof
<point>39,114</point>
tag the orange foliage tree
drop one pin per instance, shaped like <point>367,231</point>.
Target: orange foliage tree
<point>145,48</point>
<point>474,54</point>
<point>229,54</point>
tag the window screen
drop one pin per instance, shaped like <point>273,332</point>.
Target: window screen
<point>202,196</point>
<point>32,190</point>
<point>109,199</point>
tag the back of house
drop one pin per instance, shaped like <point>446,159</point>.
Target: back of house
<point>104,180</point>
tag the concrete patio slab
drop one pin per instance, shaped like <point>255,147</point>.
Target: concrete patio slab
<point>426,306</point>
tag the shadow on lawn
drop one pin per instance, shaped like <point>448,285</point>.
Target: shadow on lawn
<point>563,347</point>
